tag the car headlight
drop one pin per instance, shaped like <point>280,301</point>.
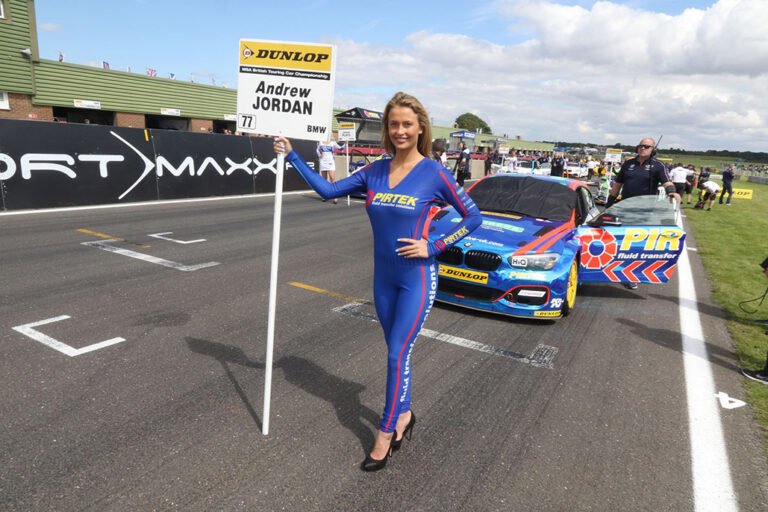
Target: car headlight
<point>534,261</point>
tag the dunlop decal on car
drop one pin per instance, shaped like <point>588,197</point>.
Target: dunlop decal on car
<point>463,274</point>
<point>547,314</point>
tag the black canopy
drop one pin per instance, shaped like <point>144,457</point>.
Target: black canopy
<point>525,195</point>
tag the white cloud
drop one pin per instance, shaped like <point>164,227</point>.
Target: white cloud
<point>610,73</point>
<point>50,27</point>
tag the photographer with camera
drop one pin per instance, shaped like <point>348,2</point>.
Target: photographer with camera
<point>759,375</point>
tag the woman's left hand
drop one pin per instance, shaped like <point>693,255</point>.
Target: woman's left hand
<point>413,248</point>
<point>281,145</point>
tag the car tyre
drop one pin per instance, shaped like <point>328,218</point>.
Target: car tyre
<point>572,287</point>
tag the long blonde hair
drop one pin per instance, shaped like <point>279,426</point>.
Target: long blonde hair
<point>401,99</point>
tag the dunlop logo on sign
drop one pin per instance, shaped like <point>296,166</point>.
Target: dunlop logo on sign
<point>283,55</point>
<point>742,193</point>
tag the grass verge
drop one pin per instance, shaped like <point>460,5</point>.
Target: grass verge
<point>731,241</point>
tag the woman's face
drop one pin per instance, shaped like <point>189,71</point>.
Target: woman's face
<point>403,128</point>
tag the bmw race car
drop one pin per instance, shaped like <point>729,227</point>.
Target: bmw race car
<point>542,236</point>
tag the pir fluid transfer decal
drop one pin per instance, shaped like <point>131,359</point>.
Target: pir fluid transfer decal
<point>285,88</point>
<point>646,254</point>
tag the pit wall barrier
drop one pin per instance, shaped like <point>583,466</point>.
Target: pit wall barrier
<point>46,165</point>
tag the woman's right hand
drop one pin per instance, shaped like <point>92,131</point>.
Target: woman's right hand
<point>282,145</point>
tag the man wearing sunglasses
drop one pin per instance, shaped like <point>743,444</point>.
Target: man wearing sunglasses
<point>641,175</point>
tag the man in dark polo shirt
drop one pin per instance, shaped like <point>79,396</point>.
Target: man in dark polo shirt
<point>641,176</point>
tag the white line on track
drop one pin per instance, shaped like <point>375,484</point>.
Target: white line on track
<point>162,236</point>
<point>541,357</point>
<point>105,245</point>
<point>712,485</point>
<point>30,331</point>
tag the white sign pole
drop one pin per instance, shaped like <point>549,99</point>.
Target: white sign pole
<point>273,290</point>
<point>283,88</point>
<point>346,151</point>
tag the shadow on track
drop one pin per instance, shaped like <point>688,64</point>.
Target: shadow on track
<point>670,339</point>
<point>226,355</point>
<point>342,394</point>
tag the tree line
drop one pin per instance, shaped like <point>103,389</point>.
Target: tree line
<point>746,156</point>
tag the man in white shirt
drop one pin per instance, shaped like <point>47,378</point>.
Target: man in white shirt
<point>591,164</point>
<point>710,189</point>
<point>677,175</point>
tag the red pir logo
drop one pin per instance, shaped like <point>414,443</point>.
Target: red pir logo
<point>598,248</point>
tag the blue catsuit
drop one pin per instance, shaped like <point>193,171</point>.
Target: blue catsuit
<point>403,288</point>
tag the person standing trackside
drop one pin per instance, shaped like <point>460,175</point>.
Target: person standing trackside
<point>678,175</point>
<point>325,152</point>
<point>640,176</point>
<point>462,164</point>
<point>438,151</point>
<point>558,165</point>
<point>591,164</point>
<point>690,183</point>
<point>401,192</point>
<point>728,176</point>
<point>487,163</point>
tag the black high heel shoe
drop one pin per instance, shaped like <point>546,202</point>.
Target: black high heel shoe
<point>408,431</point>
<point>371,464</point>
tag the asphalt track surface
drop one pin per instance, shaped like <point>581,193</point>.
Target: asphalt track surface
<point>170,418</point>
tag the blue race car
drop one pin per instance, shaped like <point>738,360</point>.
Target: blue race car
<point>541,236</point>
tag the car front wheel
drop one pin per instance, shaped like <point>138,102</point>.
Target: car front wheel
<point>573,284</point>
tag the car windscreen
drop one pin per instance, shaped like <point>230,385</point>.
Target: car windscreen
<point>528,196</point>
<point>651,210</point>
<point>527,164</point>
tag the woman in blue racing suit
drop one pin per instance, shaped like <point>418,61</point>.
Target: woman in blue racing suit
<point>401,193</point>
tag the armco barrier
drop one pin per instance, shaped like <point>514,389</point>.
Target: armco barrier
<point>45,165</point>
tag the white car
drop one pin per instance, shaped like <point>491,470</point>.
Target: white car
<point>576,170</point>
<point>523,167</point>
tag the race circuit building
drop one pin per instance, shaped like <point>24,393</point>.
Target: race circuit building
<point>32,88</point>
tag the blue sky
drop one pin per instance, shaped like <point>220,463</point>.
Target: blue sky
<point>194,40</point>
<point>552,63</point>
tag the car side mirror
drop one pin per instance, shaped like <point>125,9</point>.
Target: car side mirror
<point>606,219</point>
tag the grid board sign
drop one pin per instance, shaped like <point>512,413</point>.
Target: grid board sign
<point>286,88</point>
